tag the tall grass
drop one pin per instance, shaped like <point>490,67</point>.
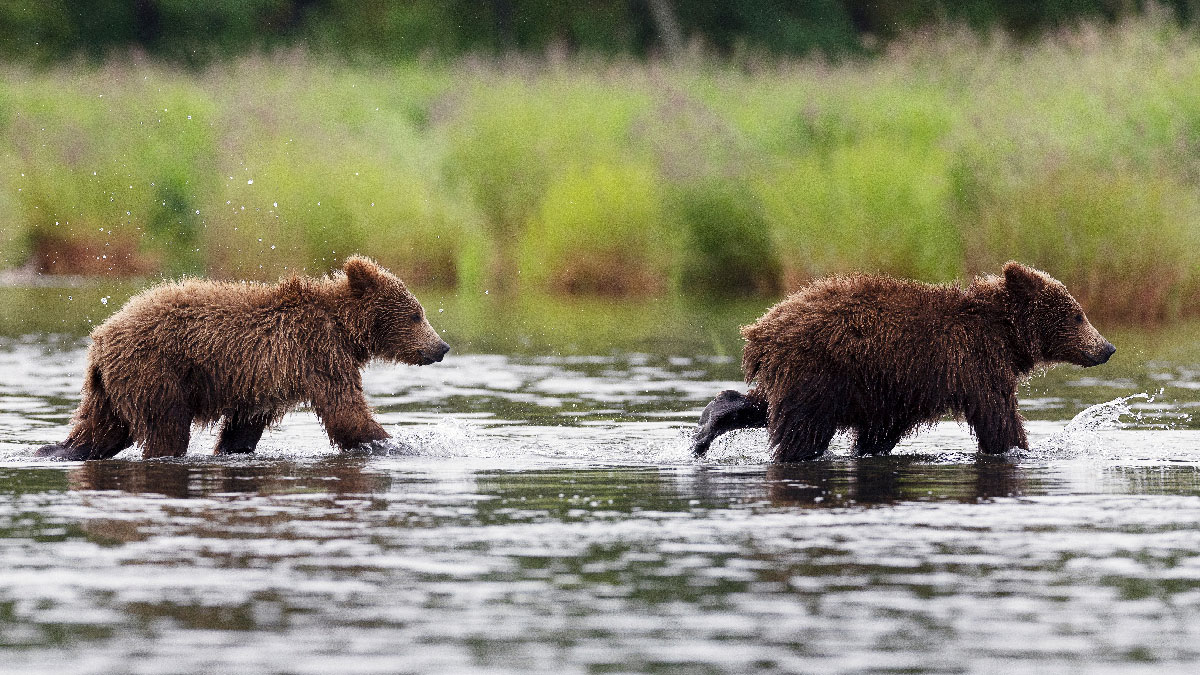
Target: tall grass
<point>1079,153</point>
<point>594,229</point>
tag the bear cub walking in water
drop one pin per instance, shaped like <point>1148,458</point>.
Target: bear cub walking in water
<point>199,351</point>
<point>881,357</point>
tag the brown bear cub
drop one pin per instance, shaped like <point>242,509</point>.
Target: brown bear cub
<point>200,351</point>
<point>882,356</point>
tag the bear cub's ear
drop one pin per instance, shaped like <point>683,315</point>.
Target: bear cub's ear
<point>362,273</point>
<point>1022,280</point>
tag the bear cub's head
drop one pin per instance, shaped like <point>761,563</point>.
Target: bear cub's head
<point>393,323</point>
<point>1054,321</point>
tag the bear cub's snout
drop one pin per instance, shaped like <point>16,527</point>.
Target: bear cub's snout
<point>1106,353</point>
<point>437,353</point>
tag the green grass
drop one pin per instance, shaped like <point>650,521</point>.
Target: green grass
<point>942,159</point>
<point>596,220</point>
<point>865,202</point>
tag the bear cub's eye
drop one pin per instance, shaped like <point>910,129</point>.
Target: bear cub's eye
<point>416,317</point>
<point>1078,318</point>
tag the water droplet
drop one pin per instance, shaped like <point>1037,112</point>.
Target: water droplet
<point>250,182</point>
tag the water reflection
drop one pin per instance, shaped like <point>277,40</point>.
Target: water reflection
<point>191,479</point>
<point>889,480</point>
<point>583,492</point>
<point>835,483</point>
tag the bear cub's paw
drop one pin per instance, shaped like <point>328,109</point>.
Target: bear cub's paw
<point>381,448</point>
<point>61,452</point>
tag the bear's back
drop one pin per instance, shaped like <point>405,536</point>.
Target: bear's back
<point>202,299</point>
<point>868,326</point>
<point>200,320</point>
<point>859,304</point>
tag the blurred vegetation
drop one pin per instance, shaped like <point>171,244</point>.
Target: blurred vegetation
<point>1078,153</point>
<point>196,33</point>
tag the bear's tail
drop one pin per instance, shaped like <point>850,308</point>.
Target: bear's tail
<point>98,432</point>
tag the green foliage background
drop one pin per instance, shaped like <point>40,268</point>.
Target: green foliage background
<point>192,32</point>
<point>1078,152</point>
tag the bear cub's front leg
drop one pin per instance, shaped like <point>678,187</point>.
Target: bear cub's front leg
<point>997,425</point>
<point>349,423</point>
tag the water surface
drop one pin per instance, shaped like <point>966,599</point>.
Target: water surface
<point>546,517</point>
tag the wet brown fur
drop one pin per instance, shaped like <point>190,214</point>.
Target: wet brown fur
<point>201,351</point>
<point>882,357</point>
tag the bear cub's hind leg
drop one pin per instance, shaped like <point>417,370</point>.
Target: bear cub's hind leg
<point>64,452</point>
<point>240,433</point>
<point>878,440</point>
<point>728,411</point>
<point>170,430</point>
<point>99,433</point>
<point>79,453</point>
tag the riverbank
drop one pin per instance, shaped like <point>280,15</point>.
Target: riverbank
<point>1077,154</point>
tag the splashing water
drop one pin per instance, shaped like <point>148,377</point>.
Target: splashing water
<point>448,438</point>
<point>1081,436</point>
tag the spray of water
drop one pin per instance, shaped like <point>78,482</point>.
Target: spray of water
<point>1082,435</point>
<point>448,438</point>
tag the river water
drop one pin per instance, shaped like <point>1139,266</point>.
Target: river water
<point>546,516</point>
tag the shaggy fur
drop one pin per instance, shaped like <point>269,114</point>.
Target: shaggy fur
<point>882,356</point>
<point>200,351</point>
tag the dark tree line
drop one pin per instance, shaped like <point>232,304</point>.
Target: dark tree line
<point>197,31</point>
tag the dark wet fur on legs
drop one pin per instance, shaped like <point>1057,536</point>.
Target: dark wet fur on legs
<point>728,411</point>
<point>241,433</point>
<point>63,452</point>
<point>98,432</point>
